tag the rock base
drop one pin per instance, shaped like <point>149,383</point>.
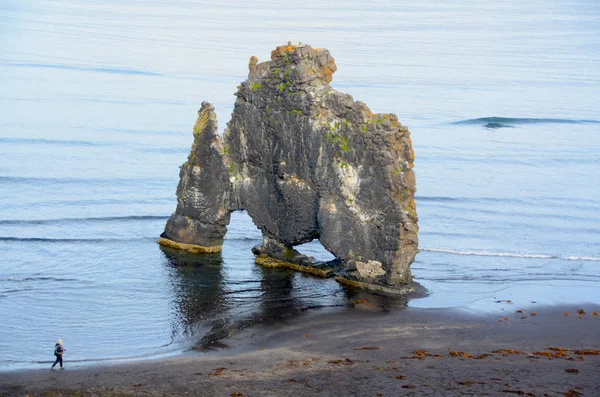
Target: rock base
<point>289,258</point>
<point>195,249</point>
<point>316,269</point>
<point>403,289</point>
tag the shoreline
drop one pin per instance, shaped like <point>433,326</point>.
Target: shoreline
<point>362,351</point>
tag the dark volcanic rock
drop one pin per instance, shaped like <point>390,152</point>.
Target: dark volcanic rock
<point>306,162</point>
<point>204,192</point>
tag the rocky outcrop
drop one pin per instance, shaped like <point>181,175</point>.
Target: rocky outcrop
<point>306,162</point>
<point>204,192</point>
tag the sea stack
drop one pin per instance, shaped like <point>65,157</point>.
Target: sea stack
<point>306,162</point>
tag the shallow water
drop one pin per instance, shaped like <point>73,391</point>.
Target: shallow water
<point>97,103</point>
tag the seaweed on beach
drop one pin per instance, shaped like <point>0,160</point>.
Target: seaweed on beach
<point>506,352</point>
<point>453,353</point>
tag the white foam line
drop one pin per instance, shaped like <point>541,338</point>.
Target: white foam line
<point>512,255</point>
<point>582,258</point>
<point>488,253</point>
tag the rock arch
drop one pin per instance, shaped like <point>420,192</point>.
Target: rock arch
<point>305,161</point>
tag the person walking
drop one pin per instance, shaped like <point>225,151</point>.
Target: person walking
<point>58,352</point>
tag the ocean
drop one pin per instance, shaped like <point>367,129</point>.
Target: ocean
<point>97,104</point>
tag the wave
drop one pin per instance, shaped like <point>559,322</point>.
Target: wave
<point>512,254</point>
<point>534,200</point>
<point>20,279</point>
<point>438,198</point>
<point>113,70</point>
<point>495,280</point>
<point>73,240</point>
<point>582,258</point>
<point>75,180</point>
<point>442,199</point>
<point>169,150</point>
<point>94,144</point>
<point>510,122</point>
<point>59,142</point>
<point>68,220</point>
<point>511,212</point>
<point>102,240</point>
<point>144,132</point>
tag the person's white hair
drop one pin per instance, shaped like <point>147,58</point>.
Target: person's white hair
<point>59,341</point>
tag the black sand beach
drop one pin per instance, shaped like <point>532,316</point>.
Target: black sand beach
<point>363,352</point>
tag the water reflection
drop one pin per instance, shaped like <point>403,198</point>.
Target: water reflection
<point>197,281</point>
<point>277,292</point>
<point>210,304</point>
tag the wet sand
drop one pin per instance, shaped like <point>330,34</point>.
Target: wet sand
<point>362,351</point>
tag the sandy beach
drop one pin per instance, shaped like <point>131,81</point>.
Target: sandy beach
<point>363,351</point>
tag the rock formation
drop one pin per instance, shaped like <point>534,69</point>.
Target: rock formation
<point>306,162</point>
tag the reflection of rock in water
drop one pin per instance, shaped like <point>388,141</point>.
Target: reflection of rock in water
<point>198,283</point>
<point>201,298</point>
<point>276,301</point>
<point>278,293</point>
<point>362,300</point>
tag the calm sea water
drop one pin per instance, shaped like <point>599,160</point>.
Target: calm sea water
<point>97,104</point>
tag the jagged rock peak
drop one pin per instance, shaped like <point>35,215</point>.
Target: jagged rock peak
<point>293,65</point>
<point>203,194</point>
